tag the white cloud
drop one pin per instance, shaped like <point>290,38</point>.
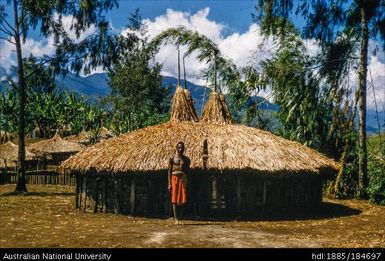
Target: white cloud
<point>38,48</point>
<point>237,46</point>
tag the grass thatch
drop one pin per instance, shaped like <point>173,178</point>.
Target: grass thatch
<point>9,152</point>
<point>105,133</point>
<point>182,109</point>
<point>5,136</point>
<point>216,110</point>
<point>231,148</point>
<point>56,145</point>
<point>83,137</point>
<point>190,103</point>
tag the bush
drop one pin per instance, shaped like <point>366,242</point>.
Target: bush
<point>376,175</point>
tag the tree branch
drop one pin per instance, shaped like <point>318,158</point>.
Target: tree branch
<point>6,39</point>
<point>10,26</point>
<point>5,30</point>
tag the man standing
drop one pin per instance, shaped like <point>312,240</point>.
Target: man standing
<point>179,166</point>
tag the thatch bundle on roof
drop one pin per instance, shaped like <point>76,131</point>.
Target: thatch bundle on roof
<point>181,109</point>
<point>216,110</point>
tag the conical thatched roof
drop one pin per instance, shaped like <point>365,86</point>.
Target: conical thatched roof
<point>182,109</point>
<point>83,137</point>
<point>216,110</point>
<point>230,148</point>
<point>56,145</point>
<point>9,152</point>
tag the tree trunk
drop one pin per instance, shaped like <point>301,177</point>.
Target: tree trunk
<point>362,150</point>
<point>21,185</point>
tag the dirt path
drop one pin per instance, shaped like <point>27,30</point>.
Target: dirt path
<point>46,217</point>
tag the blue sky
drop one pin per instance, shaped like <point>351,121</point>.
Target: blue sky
<point>236,15</point>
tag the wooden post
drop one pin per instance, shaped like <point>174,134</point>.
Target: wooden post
<point>132,196</point>
<point>238,186</point>
<point>117,195</point>
<point>77,194</point>
<point>264,197</point>
<point>104,195</point>
<point>84,192</point>
<point>96,194</point>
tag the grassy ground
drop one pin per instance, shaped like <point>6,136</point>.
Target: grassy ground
<point>46,217</point>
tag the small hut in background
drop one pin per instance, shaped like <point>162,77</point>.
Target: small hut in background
<point>9,154</point>
<point>86,137</point>
<point>56,150</point>
<point>235,169</point>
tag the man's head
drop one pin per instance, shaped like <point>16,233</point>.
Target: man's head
<point>180,147</point>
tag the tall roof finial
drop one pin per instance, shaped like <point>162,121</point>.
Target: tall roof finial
<point>178,67</point>
<point>184,73</point>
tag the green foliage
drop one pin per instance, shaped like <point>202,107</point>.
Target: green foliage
<point>376,169</point>
<point>8,112</point>
<point>137,96</point>
<point>303,109</point>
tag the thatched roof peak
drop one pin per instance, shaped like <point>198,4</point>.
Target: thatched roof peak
<point>105,133</point>
<point>10,151</point>
<point>56,145</point>
<point>216,110</point>
<point>182,109</point>
<point>230,148</point>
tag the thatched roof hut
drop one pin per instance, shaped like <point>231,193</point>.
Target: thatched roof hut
<point>234,168</point>
<point>9,152</point>
<point>56,148</point>
<point>83,137</point>
<point>230,148</point>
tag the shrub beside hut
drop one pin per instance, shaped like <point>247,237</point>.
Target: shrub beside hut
<point>235,169</point>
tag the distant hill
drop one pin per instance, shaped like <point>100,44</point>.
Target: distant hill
<point>96,85</point>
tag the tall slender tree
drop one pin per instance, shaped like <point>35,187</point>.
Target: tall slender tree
<point>71,54</point>
<point>326,21</point>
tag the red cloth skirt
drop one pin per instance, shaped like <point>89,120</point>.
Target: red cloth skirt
<point>179,189</point>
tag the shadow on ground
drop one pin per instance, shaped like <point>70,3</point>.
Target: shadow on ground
<point>327,210</point>
<point>38,194</point>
